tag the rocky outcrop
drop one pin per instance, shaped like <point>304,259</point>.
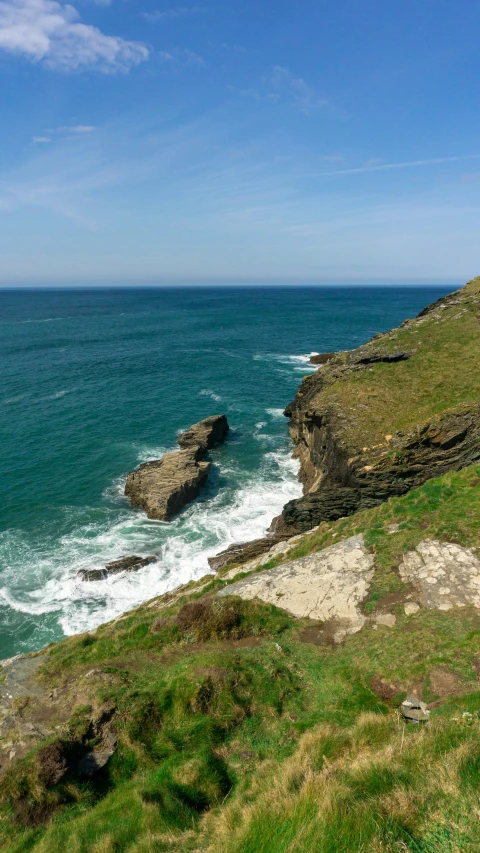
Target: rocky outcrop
<point>205,434</point>
<point>445,575</point>
<point>326,586</point>
<point>322,357</point>
<point>162,487</point>
<point>124,564</point>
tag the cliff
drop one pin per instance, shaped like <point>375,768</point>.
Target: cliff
<point>377,421</point>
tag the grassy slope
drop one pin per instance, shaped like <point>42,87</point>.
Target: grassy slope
<point>250,734</point>
<point>441,374</point>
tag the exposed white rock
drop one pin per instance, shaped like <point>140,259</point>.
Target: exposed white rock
<point>445,575</point>
<point>388,620</point>
<point>411,608</point>
<point>327,585</point>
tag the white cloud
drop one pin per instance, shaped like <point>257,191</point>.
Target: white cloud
<point>51,32</point>
<point>38,140</point>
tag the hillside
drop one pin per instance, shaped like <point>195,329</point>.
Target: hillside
<point>212,719</point>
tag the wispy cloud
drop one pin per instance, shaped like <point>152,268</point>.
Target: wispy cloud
<point>39,140</point>
<point>375,165</point>
<point>52,33</point>
<point>171,14</point>
<point>284,84</point>
<point>280,85</point>
<point>77,128</point>
<point>182,55</point>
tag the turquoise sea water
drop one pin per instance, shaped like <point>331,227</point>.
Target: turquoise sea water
<point>96,381</point>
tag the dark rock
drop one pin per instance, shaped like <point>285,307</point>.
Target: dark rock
<point>93,574</point>
<point>322,357</point>
<point>348,486</point>
<point>384,358</point>
<point>124,564</point>
<point>205,434</point>
<point>94,761</point>
<point>129,564</point>
<point>243,552</point>
<point>162,487</point>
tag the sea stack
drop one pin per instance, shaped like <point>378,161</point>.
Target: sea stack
<point>162,487</point>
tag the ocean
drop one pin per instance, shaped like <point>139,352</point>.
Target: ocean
<point>96,381</point>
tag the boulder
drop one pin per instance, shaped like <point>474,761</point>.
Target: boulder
<point>414,709</point>
<point>162,487</point>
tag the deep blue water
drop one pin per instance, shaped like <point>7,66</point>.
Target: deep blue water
<point>95,381</point>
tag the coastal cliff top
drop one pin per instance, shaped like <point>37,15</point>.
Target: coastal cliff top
<point>370,399</point>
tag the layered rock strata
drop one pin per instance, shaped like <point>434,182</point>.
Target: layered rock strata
<point>340,476</point>
<point>162,487</point>
<point>123,564</point>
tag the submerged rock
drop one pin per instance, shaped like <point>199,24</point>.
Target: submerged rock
<point>162,487</point>
<point>124,564</point>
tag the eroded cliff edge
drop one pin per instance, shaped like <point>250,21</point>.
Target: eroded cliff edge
<point>375,422</point>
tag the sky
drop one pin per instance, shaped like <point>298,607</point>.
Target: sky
<point>155,141</point>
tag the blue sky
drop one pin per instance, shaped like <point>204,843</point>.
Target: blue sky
<point>150,140</point>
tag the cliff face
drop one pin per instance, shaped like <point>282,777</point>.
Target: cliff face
<point>380,420</point>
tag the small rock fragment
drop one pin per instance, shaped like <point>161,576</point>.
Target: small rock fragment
<point>414,709</point>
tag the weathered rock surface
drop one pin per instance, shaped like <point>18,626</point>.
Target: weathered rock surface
<point>205,434</point>
<point>162,487</point>
<point>124,564</point>
<point>326,586</point>
<point>445,575</point>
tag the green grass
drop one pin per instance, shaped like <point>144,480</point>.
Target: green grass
<point>441,374</point>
